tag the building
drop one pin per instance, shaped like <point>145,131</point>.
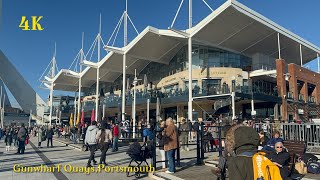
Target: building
<point>243,66</point>
<point>28,99</point>
<point>62,108</point>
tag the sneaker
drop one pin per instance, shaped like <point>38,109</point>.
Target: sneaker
<point>169,172</point>
<point>89,165</point>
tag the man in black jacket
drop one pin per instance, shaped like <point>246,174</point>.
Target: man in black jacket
<point>49,136</point>
<point>22,135</point>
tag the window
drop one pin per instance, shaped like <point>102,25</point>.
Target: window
<point>211,86</point>
<point>194,83</point>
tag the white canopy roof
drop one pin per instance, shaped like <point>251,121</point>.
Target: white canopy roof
<point>232,27</point>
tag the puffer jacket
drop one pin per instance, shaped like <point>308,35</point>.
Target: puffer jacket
<point>241,145</point>
<point>91,135</point>
<point>263,167</point>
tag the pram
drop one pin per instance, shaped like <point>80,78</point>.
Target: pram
<point>139,154</point>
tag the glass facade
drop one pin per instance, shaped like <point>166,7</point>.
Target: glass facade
<point>202,57</point>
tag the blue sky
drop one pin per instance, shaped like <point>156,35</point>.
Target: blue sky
<point>65,20</point>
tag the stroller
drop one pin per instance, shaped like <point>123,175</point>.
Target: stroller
<point>139,154</point>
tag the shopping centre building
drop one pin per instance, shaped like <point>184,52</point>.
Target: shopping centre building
<point>243,66</point>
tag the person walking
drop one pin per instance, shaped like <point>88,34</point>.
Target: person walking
<point>91,141</point>
<point>49,134</point>
<point>8,138</point>
<point>22,135</point>
<point>40,136</point>
<point>83,134</point>
<point>170,144</point>
<point>15,136</point>
<point>104,137</point>
<point>115,131</point>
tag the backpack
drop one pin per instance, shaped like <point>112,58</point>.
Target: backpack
<point>313,167</point>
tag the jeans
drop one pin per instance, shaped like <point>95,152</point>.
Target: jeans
<point>92,152</point>
<point>163,158</point>
<point>21,147</point>
<point>171,159</point>
<point>49,139</point>
<point>75,138</point>
<point>104,148</point>
<point>115,143</point>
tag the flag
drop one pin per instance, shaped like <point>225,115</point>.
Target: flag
<point>82,118</point>
<point>71,120</point>
<point>93,115</point>
<point>78,119</point>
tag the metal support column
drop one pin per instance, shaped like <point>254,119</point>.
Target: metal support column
<point>233,106</point>
<point>148,111</point>
<point>301,58</point>
<point>124,88</point>
<point>279,47</point>
<point>190,79</point>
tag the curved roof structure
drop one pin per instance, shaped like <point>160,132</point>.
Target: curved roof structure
<point>232,26</point>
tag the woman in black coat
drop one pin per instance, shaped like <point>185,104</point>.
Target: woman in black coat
<point>281,158</point>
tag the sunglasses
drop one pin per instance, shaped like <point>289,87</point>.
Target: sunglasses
<point>280,147</point>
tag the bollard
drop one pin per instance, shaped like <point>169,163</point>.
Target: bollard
<point>220,140</point>
<point>154,155</point>
<point>178,149</point>
<point>198,149</point>
<point>201,142</point>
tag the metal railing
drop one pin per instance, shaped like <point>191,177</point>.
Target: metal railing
<point>309,133</point>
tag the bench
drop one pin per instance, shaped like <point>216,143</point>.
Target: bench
<point>294,148</point>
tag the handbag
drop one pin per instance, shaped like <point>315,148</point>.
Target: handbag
<point>300,167</point>
<point>26,141</point>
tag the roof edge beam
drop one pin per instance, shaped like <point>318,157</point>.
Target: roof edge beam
<point>90,64</point>
<point>114,49</point>
<point>186,35</point>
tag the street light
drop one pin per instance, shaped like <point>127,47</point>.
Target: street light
<point>135,81</point>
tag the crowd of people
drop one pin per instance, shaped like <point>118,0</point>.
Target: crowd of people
<point>259,153</point>
<point>15,137</point>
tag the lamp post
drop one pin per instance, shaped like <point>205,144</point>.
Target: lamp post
<point>135,81</point>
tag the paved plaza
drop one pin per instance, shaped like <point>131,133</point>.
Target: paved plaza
<point>58,155</point>
<point>71,156</point>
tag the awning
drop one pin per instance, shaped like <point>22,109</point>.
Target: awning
<point>235,27</point>
<point>67,80</point>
